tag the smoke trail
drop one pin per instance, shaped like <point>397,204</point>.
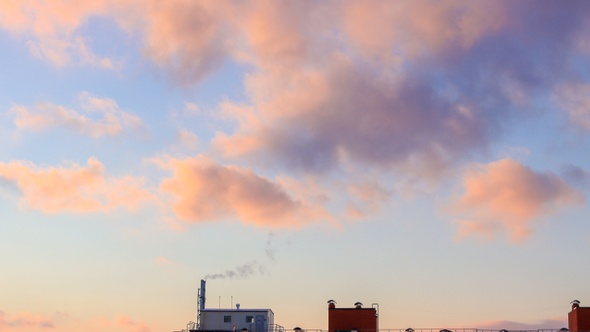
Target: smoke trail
<point>270,251</point>
<point>250,268</point>
<point>240,272</point>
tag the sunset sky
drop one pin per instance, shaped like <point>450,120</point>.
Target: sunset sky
<point>428,156</point>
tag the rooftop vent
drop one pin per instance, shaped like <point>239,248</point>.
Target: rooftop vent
<point>331,304</point>
<point>575,304</point>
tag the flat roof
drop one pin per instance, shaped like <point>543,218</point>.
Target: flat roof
<point>235,310</point>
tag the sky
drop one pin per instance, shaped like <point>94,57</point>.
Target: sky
<point>426,156</point>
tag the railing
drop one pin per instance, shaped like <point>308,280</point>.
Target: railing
<point>278,328</point>
<point>460,329</point>
<point>192,326</point>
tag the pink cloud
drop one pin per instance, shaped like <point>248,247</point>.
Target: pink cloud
<point>50,28</point>
<point>203,190</point>
<point>342,113</point>
<point>279,34</point>
<point>73,188</point>
<point>367,199</point>
<point>132,325</point>
<point>188,139</point>
<point>187,38</point>
<point>549,323</point>
<point>412,88</point>
<point>98,117</point>
<point>24,321</point>
<point>508,196</point>
<point>429,90</point>
<point>161,260</point>
<point>420,26</point>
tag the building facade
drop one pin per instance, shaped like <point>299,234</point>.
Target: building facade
<point>352,319</point>
<point>579,318</point>
<point>254,320</point>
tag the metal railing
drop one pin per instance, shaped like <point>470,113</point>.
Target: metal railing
<point>460,329</point>
<point>192,326</point>
<point>278,328</point>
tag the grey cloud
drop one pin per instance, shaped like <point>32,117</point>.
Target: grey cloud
<point>440,108</point>
<point>576,176</point>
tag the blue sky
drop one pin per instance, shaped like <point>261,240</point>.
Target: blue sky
<point>426,156</point>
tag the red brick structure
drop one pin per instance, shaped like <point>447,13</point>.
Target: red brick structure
<point>349,319</point>
<point>579,318</point>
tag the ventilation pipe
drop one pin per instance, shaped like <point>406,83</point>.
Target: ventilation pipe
<point>331,304</point>
<point>575,304</point>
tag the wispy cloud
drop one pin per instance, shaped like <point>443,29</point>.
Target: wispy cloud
<point>98,117</point>
<point>549,323</point>
<point>132,325</point>
<point>24,321</point>
<point>51,29</point>
<point>574,98</point>
<point>161,260</point>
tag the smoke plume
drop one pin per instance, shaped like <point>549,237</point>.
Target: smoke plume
<point>240,272</point>
<point>250,268</point>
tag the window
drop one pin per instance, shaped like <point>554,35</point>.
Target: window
<point>249,319</point>
<point>227,319</point>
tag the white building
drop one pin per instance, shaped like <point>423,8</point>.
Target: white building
<point>254,320</point>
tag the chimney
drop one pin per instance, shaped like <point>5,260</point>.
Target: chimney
<point>202,295</point>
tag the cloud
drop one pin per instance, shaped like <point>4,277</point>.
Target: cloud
<point>412,90</point>
<point>188,139</point>
<point>368,197</point>
<point>576,176</point>
<point>203,190</point>
<point>24,321</point>
<point>99,117</point>
<point>279,35</point>
<point>574,98</point>
<point>412,87</point>
<point>550,323</point>
<point>51,29</point>
<point>346,113</point>
<point>73,188</point>
<point>132,325</point>
<point>507,196</point>
<point>161,260</point>
<point>382,30</point>
<point>187,39</point>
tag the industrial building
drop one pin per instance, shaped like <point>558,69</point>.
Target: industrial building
<point>352,319</point>
<point>231,320</point>
<point>253,320</point>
